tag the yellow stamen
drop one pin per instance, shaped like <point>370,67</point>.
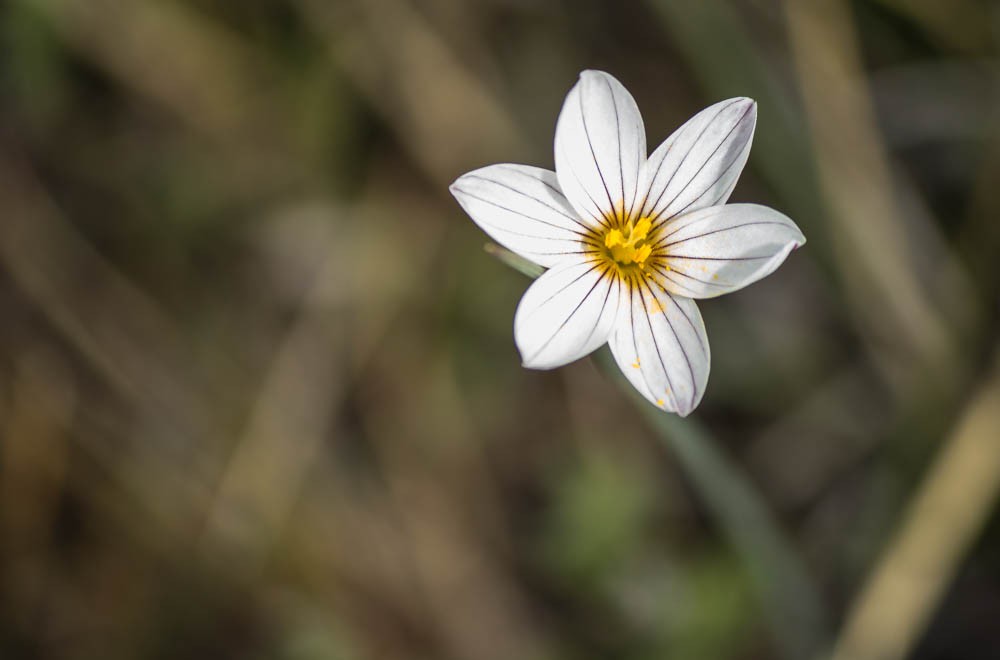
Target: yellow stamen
<point>614,238</point>
<point>641,229</point>
<point>627,246</point>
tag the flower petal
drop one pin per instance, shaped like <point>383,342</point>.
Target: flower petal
<point>661,346</point>
<point>699,164</point>
<point>565,314</point>
<point>724,248</point>
<point>600,147</point>
<point>522,208</point>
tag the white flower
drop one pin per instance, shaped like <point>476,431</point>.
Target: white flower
<point>630,241</point>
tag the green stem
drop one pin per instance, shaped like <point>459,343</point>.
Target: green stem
<point>790,600</point>
<point>515,261</point>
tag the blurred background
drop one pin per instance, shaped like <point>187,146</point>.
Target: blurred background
<point>259,396</point>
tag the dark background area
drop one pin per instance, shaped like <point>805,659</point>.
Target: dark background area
<point>259,396</point>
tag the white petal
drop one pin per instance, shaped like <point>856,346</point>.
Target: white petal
<point>600,147</point>
<point>720,249</point>
<point>567,313</point>
<point>522,208</point>
<point>661,346</point>
<point>699,164</point>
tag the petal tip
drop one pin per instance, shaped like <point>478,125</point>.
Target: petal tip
<point>746,107</point>
<point>525,362</point>
<point>535,365</point>
<point>528,361</point>
<point>454,188</point>
<point>592,74</point>
<point>686,408</point>
<point>799,240</point>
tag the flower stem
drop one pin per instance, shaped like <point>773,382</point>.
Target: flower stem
<point>515,261</point>
<point>789,598</point>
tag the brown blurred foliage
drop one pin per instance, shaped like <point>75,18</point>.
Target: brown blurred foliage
<point>258,392</point>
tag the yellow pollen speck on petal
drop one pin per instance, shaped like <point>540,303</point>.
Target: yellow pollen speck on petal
<point>659,402</point>
<point>635,365</point>
<point>715,276</point>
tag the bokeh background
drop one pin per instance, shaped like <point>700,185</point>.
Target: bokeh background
<point>259,396</point>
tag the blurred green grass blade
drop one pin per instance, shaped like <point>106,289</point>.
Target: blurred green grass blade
<point>946,514</point>
<point>780,153</point>
<point>960,25</point>
<point>791,601</point>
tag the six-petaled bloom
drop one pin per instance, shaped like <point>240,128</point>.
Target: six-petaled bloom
<point>630,241</point>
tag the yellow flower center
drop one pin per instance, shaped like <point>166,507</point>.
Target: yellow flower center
<point>629,245</point>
